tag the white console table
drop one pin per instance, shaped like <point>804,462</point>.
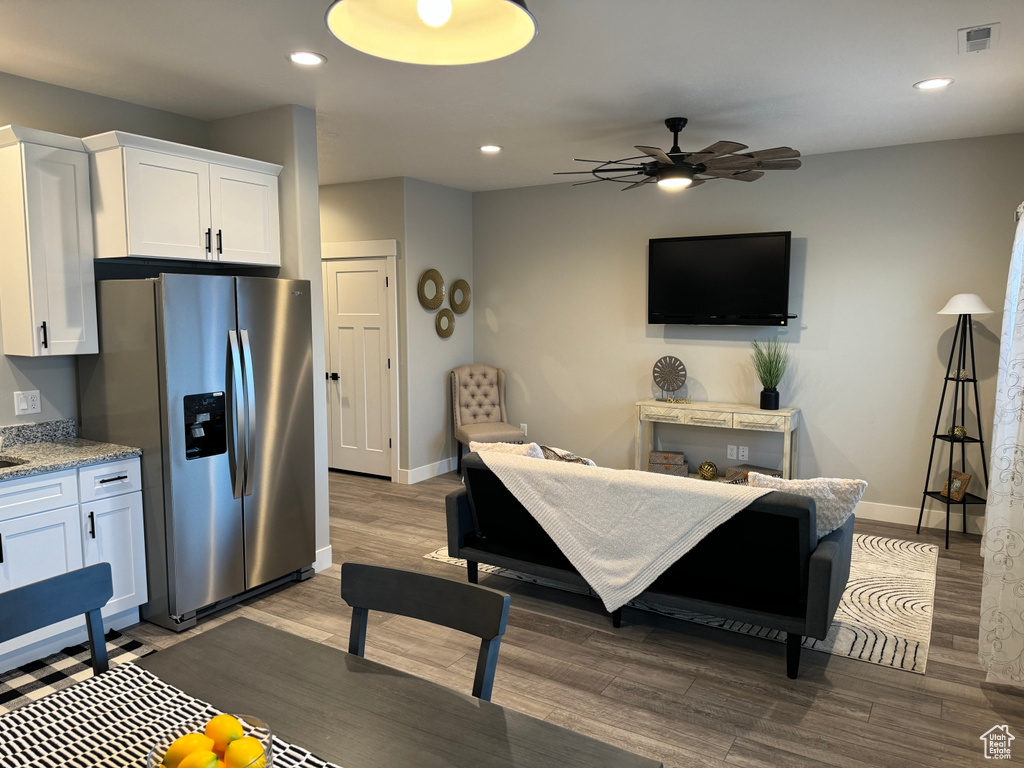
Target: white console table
<point>717,415</point>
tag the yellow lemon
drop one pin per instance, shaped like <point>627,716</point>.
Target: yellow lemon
<point>223,729</point>
<point>187,744</point>
<point>202,758</point>
<point>245,753</point>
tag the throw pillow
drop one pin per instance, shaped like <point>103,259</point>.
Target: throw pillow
<point>557,454</point>
<point>834,498</point>
<point>518,449</point>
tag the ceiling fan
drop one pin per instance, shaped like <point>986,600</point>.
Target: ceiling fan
<point>676,169</point>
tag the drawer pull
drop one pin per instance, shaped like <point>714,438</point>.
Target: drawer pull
<point>92,525</point>
<point>669,419</point>
<point>758,425</point>
<point>709,421</point>
<point>113,479</point>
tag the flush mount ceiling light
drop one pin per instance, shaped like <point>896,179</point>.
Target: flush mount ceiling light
<point>490,148</point>
<point>306,58</point>
<point>933,83</point>
<point>676,169</point>
<point>437,32</point>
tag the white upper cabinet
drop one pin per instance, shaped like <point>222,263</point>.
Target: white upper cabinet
<point>158,199</point>
<point>47,290</point>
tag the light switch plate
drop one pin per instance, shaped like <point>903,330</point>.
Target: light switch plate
<point>523,427</point>
<point>744,453</point>
<point>27,402</point>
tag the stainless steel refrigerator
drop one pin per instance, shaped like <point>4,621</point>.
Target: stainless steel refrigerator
<point>212,377</point>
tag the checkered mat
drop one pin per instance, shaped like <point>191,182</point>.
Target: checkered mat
<point>40,678</point>
<point>112,721</point>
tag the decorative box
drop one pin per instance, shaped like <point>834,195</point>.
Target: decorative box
<point>738,475</point>
<point>667,457</point>
<point>679,470</point>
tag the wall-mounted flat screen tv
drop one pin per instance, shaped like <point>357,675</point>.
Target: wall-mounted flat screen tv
<point>719,279</point>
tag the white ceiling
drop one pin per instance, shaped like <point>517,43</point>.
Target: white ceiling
<point>601,76</point>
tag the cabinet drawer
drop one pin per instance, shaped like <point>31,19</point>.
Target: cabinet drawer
<point>100,481</point>
<point>38,493</point>
<point>708,419</point>
<point>654,413</point>
<point>759,422</point>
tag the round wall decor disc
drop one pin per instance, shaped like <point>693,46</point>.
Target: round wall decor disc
<point>460,288</point>
<point>431,289</point>
<point>669,373</point>
<point>445,323</point>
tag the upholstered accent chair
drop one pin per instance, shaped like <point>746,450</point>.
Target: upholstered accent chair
<point>478,407</point>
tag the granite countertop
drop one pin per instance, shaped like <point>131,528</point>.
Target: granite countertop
<point>58,449</point>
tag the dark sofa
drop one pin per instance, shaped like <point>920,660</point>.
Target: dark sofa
<point>764,566</point>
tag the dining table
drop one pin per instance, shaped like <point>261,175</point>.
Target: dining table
<point>357,713</point>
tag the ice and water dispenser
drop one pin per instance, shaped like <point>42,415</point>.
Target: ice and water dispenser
<point>205,425</point>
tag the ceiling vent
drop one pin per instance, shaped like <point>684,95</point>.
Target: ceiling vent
<point>977,39</point>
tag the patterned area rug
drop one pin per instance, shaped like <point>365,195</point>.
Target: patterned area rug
<point>885,616</point>
<point>40,678</point>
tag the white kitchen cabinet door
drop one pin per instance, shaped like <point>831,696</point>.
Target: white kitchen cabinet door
<point>47,294</point>
<point>245,216</point>
<point>168,205</point>
<point>36,547</point>
<point>112,533</point>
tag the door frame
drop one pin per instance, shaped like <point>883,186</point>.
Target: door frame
<point>355,250</point>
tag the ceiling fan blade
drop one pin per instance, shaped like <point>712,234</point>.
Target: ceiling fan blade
<point>627,171</point>
<point>603,162</point>
<point>776,153</point>
<point>648,180</point>
<point>779,165</point>
<point>731,163</point>
<point>656,153</point>
<point>747,176</point>
<point>695,183</point>
<point>721,148</point>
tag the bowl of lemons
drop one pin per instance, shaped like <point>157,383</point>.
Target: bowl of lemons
<point>224,741</point>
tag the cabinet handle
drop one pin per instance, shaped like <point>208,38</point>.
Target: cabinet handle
<point>220,242</point>
<point>46,342</point>
<point>710,421</point>
<point>113,479</point>
<point>92,525</point>
<point>758,425</point>
<point>1,550</point>
<point>209,239</point>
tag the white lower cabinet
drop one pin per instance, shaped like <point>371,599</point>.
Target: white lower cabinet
<point>47,527</point>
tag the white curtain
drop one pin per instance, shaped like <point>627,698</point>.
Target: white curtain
<point>1001,634</point>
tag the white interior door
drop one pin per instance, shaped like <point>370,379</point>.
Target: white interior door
<point>356,309</point>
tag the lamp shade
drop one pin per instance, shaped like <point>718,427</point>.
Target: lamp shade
<point>965,304</point>
<point>402,30</point>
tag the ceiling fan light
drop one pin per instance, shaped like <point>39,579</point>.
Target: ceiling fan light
<point>434,13</point>
<point>477,30</point>
<point>675,178</point>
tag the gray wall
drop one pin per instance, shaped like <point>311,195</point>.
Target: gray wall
<point>286,135</point>
<point>51,108</point>
<point>433,226</point>
<point>882,238</point>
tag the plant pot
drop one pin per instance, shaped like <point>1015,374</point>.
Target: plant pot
<point>769,399</point>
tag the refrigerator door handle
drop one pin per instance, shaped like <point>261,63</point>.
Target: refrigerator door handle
<point>250,423</point>
<point>237,389</point>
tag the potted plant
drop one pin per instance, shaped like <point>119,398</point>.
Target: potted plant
<point>770,359</point>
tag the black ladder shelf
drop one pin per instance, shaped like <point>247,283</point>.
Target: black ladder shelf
<point>963,338</point>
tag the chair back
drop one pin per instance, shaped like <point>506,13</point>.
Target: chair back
<point>478,394</point>
<point>42,603</point>
<point>469,608</point>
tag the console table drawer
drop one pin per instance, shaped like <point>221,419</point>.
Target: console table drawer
<point>708,419</point>
<point>669,415</point>
<point>759,422</point>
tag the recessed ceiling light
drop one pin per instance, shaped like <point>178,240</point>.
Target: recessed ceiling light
<point>932,83</point>
<point>490,148</point>
<point>307,58</point>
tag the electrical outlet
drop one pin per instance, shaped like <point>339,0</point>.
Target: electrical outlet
<point>732,451</point>
<point>27,402</point>
<point>523,427</point>
<point>744,453</point>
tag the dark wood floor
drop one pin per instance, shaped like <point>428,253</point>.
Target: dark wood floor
<point>682,693</point>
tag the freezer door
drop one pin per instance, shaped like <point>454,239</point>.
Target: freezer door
<point>204,522</point>
<point>275,332</point>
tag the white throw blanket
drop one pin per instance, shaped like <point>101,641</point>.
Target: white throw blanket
<point>621,529</point>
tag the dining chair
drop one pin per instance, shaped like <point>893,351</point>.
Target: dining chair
<point>42,603</point>
<point>469,608</point>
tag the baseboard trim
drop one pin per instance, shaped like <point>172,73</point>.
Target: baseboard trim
<point>934,516</point>
<point>324,559</point>
<point>427,471</point>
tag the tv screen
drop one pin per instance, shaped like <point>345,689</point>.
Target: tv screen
<point>719,280</point>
